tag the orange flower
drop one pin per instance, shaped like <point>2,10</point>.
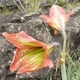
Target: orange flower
<point>57,18</point>
<point>30,55</point>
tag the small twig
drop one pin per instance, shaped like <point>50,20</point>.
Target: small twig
<point>18,6</point>
<point>21,5</point>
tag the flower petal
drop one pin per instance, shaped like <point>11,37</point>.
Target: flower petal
<point>27,40</point>
<point>34,62</point>
<point>30,67</point>
<point>29,59</point>
<point>50,22</point>
<point>35,66</point>
<point>56,32</point>
<point>17,55</point>
<point>48,62</point>
<point>58,15</point>
<point>68,15</point>
<point>12,39</point>
<point>56,10</point>
<point>24,37</point>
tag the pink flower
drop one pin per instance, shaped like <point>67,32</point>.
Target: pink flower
<point>30,55</point>
<point>57,18</point>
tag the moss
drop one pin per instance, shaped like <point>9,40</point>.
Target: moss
<point>32,5</point>
<point>70,6</point>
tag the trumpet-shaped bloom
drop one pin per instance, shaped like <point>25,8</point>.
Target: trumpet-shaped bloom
<point>57,18</point>
<point>30,55</point>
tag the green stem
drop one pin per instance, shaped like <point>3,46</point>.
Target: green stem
<point>63,54</point>
<point>16,77</point>
<point>63,71</point>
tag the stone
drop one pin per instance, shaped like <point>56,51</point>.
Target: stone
<point>45,6</point>
<point>73,31</point>
<point>33,25</point>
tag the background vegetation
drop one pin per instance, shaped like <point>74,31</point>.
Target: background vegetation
<point>33,5</point>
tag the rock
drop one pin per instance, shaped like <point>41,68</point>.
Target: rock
<point>73,31</point>
<point>32,25</point>
<point>45,6</point>
<point>76,11</point>
<point>37,28</point>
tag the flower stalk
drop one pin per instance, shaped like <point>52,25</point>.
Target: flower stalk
<point>63,54</point>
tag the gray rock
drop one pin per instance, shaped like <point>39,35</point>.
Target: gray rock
<point>37,28</point>
<point>73,31</point>
<point>32,25</point>
<point>45,6</point>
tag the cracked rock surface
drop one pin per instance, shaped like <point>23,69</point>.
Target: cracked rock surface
<point>38,29</point>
